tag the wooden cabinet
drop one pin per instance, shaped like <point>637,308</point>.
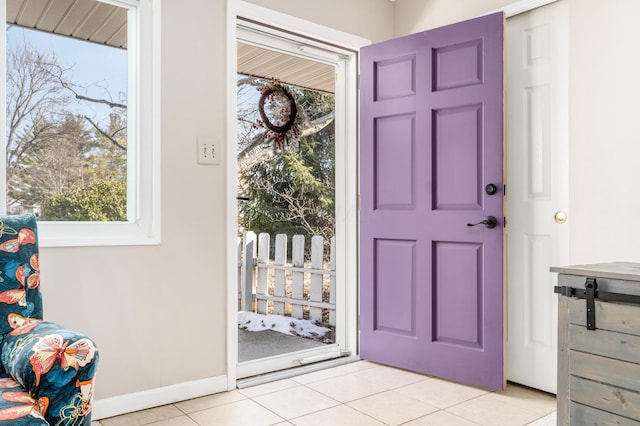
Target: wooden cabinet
<point>599,344</point>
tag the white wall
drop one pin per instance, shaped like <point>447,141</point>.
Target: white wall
<point>370,19</point>
<point>412,16</point>
<point>604,132</point>
<point>157,313</point>
<point>604,89</point>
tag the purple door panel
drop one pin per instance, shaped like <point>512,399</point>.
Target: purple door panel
<point>431,140</point>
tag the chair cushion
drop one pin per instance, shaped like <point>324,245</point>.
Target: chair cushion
<point>55,366</point>
<point>17,407</point>
<point>20,298</point>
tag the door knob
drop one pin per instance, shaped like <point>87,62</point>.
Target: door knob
<point>489,222</point>
<point>560,217</point>
<point>490,189</point>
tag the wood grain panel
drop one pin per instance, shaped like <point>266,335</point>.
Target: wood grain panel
<point>605,343</point>
<point>605,370</point>
<point>588,416</point>
<point>609,316</point>
<point>605,397</point>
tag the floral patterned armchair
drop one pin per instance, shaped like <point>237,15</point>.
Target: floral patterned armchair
<point>46,371</point>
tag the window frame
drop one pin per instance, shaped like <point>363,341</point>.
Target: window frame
<point>143,152</point>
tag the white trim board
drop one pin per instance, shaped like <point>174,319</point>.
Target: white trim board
<point>121,404</point>
<point>231,201</point>
<point>522,6</point>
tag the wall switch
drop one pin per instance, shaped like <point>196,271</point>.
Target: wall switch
<point>208,150</point>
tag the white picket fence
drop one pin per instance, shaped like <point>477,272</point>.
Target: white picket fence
<point>297,287</point>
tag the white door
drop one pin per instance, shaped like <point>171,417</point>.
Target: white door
<point>537,188</point>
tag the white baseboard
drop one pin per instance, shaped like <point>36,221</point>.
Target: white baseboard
<point>114,406</point>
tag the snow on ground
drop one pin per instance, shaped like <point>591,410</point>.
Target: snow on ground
<point>251,321</point>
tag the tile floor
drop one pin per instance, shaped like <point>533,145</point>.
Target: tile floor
<point>360,393</point>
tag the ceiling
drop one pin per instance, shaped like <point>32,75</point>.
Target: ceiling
<point>104,23</point>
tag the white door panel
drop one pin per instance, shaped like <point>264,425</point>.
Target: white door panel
<point>537,188</point>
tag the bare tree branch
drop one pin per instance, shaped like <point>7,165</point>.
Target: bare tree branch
<point>98,101</point>
<point>313,127</point>
<point>105,134</point>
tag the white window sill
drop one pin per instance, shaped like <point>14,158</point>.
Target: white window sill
<point>91,234</point>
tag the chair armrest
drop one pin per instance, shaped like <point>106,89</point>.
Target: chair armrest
<point>54,365</point>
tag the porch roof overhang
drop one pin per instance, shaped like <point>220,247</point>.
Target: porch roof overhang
<point>106,24</point>
<point>260,62</point>
<point>87,20</point>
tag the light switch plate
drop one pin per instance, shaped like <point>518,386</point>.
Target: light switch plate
<point>208,150</point>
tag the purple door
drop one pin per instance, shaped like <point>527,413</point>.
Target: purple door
<point>432,293</point>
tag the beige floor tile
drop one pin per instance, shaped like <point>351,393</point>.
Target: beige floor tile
<point>258,390</point>
<point>329,373</point>
<point>441,393</point>
<point>373,394</point>
<point>548,420</point>
<point>316,376</point>
<point>354,367</point>
<point>440,418</point>
<point>143,417</point>
<point>346,388</point>
<point>493,410</point>
<point>336,416</point>
<point>390,378</point>
<point>392,407</point>
<point>241,413</point>
<point>528,398</point>
<point>295,402</point>
<point>209,401</point>
<point>176,421</point>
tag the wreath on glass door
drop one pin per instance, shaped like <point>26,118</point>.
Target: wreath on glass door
<point>279,115</point>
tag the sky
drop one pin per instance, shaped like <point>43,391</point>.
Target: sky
<point>102,69</point>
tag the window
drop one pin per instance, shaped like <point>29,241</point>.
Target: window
<point>80,151</point>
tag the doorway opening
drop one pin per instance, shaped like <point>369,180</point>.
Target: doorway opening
<point>286,193</point>
<point>292,145</point>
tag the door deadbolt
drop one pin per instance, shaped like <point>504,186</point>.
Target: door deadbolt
<point>490,189</point>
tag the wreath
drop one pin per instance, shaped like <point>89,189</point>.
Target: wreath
<point>283,126</point>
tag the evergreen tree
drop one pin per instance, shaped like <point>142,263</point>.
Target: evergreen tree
<point>293,192</point>
<point>52,153</point>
